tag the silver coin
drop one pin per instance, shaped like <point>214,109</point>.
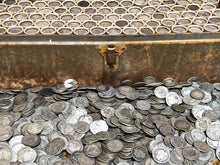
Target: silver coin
<point>173,98</point>
<point>98,126</point>
<point>203,123</point>
<point>198,135</point>
<point>198,110</point>
<point>213,131</point>
<point>161,154</point>
<point>143,105</point>
<point>73,146</point>
<point>161,91</point>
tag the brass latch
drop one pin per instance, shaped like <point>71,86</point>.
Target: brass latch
<point>111,55</point>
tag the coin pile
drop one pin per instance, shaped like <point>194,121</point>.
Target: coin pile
<point>141,123</point>
<point>108,17</point>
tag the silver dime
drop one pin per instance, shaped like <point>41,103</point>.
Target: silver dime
<point>161,154</point>
<point>73,146</point>
<point>203,123</point>
<point>143,105</point>
<point>173,98</point>
<point>115,145</point>
<point>213,131</point>
<point>161,91</point>
<point>197,94</point>
<point>98,126</point>
<point>107,112</point>
<point>191,153</point>
<point>198,135</point>
<point>27,154</point>
<point>198,110</point>
<point>5,132</point>
<point>139,153</point>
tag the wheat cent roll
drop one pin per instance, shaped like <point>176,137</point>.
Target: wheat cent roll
<point>112,17</point>
<point>216,12</point>
<point>31,30</point>
<point>121,23</point>
<point>128,16</point>
<point>97,17</point>
<point>15,30</point>
<point>120,10</point>
<point>169,2</point>
<point>158,16</point>
<point>182,2</point>
<point>184,21</point>
<point>83,17</point>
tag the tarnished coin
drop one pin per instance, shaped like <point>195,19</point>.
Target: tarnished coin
<point>203,123</point>
<point>197,94</point>
<point>98,126</point>
<point>31,140</point>
<point>93,150</point>
<point>46,92</point>
<point>35,128</point>
<point>114,145</point>
<point>182,125</point>
<point>161,91</point>
<point>201,146</point>
<point>58,107</point>
<point>81,127</point>
<point>107,112</point>
<point>143,105</point>
<point>6,119</point>
<point>5,152</point>
<point>20,98</point>
<point>161,154</point>
<point>178,142</point>
<point>212,115</point>
<point>178,108</point>
<point>191,153</point>
<point>85,160</point>
<point>198,135</point>
<point>173,98</point>
<point>139,153</point>
<point>86,118</point>
<point>55,147</point>
<point>81,102</point>
<point>27,154</point>
<point>73,146</point>
<point>198,110</point>
<point>213,131</point>
<point>67,129</point>
<point>5,132</point>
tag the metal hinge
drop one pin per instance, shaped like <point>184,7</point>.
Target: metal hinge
<point>111,55</point>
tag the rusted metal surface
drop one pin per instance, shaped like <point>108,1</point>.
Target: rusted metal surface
<point>111,54</point>
<point>26,64</point>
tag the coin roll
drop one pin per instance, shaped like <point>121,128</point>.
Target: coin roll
<point>15,30</point>
<point>31,30</point>
<point>48,30</point>
<point>163,30</point>
<point>195,29</point>
<point>211,28</point>
<point>2,30</point>
<point>3,7</point>
<point>179,29</point>
<point>113,31</point>
<point>14,9</point>
<point>81,31</point>
<point>146,31</point>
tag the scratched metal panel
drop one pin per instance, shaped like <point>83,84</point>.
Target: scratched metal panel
<point>26,64</point>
